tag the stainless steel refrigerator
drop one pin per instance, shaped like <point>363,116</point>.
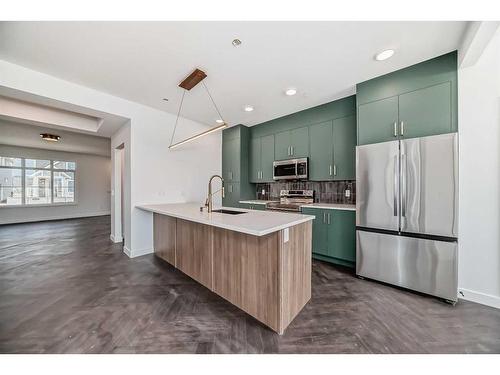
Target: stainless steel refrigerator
<point>407,213</point>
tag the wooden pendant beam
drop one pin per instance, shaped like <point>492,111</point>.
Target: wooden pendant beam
<point>193,79</point>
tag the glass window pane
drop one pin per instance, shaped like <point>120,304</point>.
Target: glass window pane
<point>9,162</point>
<point>38,186</point>
<point>10,186</point>
<point>36,163</point>
<point>64,187</point>
<point>64,165</point>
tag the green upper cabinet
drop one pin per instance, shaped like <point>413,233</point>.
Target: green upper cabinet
<point>378,121</point>
<point>321,155</point>
<point>235,165</point>
<point>292,144</point>
<point>344,148</point>
<point>282,145</point>
<point>333,147</point>
<point>299,142</point>
<point>255,159</point>
<point>231,158</point>
<point>417,101</point>
<point>261,159</point>
<point>267,158</point>
<point>426,111</point>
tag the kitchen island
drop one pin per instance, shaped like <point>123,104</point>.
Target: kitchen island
<point>259,261</point>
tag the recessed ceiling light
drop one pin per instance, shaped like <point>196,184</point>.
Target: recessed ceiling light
<point>236,42</point>
<point>290,92</point>
<point>384,55</point>
<point>219,121</point>
<point>248,108</point>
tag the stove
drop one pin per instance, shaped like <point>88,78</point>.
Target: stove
<point>291,200</point>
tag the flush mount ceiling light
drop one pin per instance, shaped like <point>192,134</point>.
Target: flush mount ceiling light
<point>236,42</point>
<point>384,55</point>
<point>50,137</point>
<point>248,108</point>
<point>290,92</point>
<point>187,84</point>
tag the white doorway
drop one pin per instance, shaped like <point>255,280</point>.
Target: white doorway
<point>119,199</point>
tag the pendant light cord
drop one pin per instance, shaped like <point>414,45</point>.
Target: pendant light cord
<point>177,119</point>
<point>212,99</point>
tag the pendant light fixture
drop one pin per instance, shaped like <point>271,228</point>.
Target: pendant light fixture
<point>187,84</point>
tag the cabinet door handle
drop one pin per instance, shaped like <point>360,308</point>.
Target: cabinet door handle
<point>402,128</point>
<point>395,128</point>
<point>291,147</point>
<point>324,217</point>
<point>328,219</point>
<point>330,169</point>
<point>334,169</point>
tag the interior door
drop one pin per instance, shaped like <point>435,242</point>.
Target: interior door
<point>429,185</point>
<point>377,186</point>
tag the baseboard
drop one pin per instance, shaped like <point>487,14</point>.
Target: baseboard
<point>116,239</point>
<point>482,298</point>
<point>57,217</point>
<point>136,253</point>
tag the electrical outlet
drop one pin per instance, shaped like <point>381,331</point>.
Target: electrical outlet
<point>348,193</point>
<point>263,191</point>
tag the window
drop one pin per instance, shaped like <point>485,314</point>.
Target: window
<point>34,182</point>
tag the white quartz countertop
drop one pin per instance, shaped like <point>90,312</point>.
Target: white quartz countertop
<point>257,223</point>
<point>257,201</point>
<point>332,206</point>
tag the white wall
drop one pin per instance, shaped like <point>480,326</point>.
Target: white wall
<point>155,173</point>
<point>93,180</point>
<point>479,211</point>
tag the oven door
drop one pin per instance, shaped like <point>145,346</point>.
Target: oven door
<point>285,170</point>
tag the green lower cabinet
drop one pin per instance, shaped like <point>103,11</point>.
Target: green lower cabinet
<point>334,235</point>
<point>253,206</point>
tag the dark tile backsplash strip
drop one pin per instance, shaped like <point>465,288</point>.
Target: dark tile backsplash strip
<point>324,191</point>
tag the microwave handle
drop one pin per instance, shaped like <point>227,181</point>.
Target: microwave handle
<point>296,169</point>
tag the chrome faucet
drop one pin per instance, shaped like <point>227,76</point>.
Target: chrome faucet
<point>208,202</point>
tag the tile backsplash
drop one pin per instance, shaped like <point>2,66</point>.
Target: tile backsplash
<point>324,191</point>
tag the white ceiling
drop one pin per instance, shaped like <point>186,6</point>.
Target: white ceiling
<point>107,123</point>
<point>145,61</point>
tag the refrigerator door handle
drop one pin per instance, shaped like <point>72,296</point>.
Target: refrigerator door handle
<point>403,185</point>
<point>396,185</point>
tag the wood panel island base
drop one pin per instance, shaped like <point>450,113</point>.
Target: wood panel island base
<point>267,275</point>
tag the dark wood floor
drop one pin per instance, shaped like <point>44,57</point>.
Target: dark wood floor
<point>66,288</point>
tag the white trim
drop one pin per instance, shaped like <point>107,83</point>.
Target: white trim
<point>57,217</point>
<point>478,297</point>
<point>116,239</point>
<point>137,253</point>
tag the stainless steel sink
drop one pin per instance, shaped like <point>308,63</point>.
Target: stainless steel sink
<point>229,212</point>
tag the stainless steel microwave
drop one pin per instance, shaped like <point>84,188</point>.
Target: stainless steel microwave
<point>292,169</point>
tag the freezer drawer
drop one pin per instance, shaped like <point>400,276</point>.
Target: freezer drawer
<point>423,265</point>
